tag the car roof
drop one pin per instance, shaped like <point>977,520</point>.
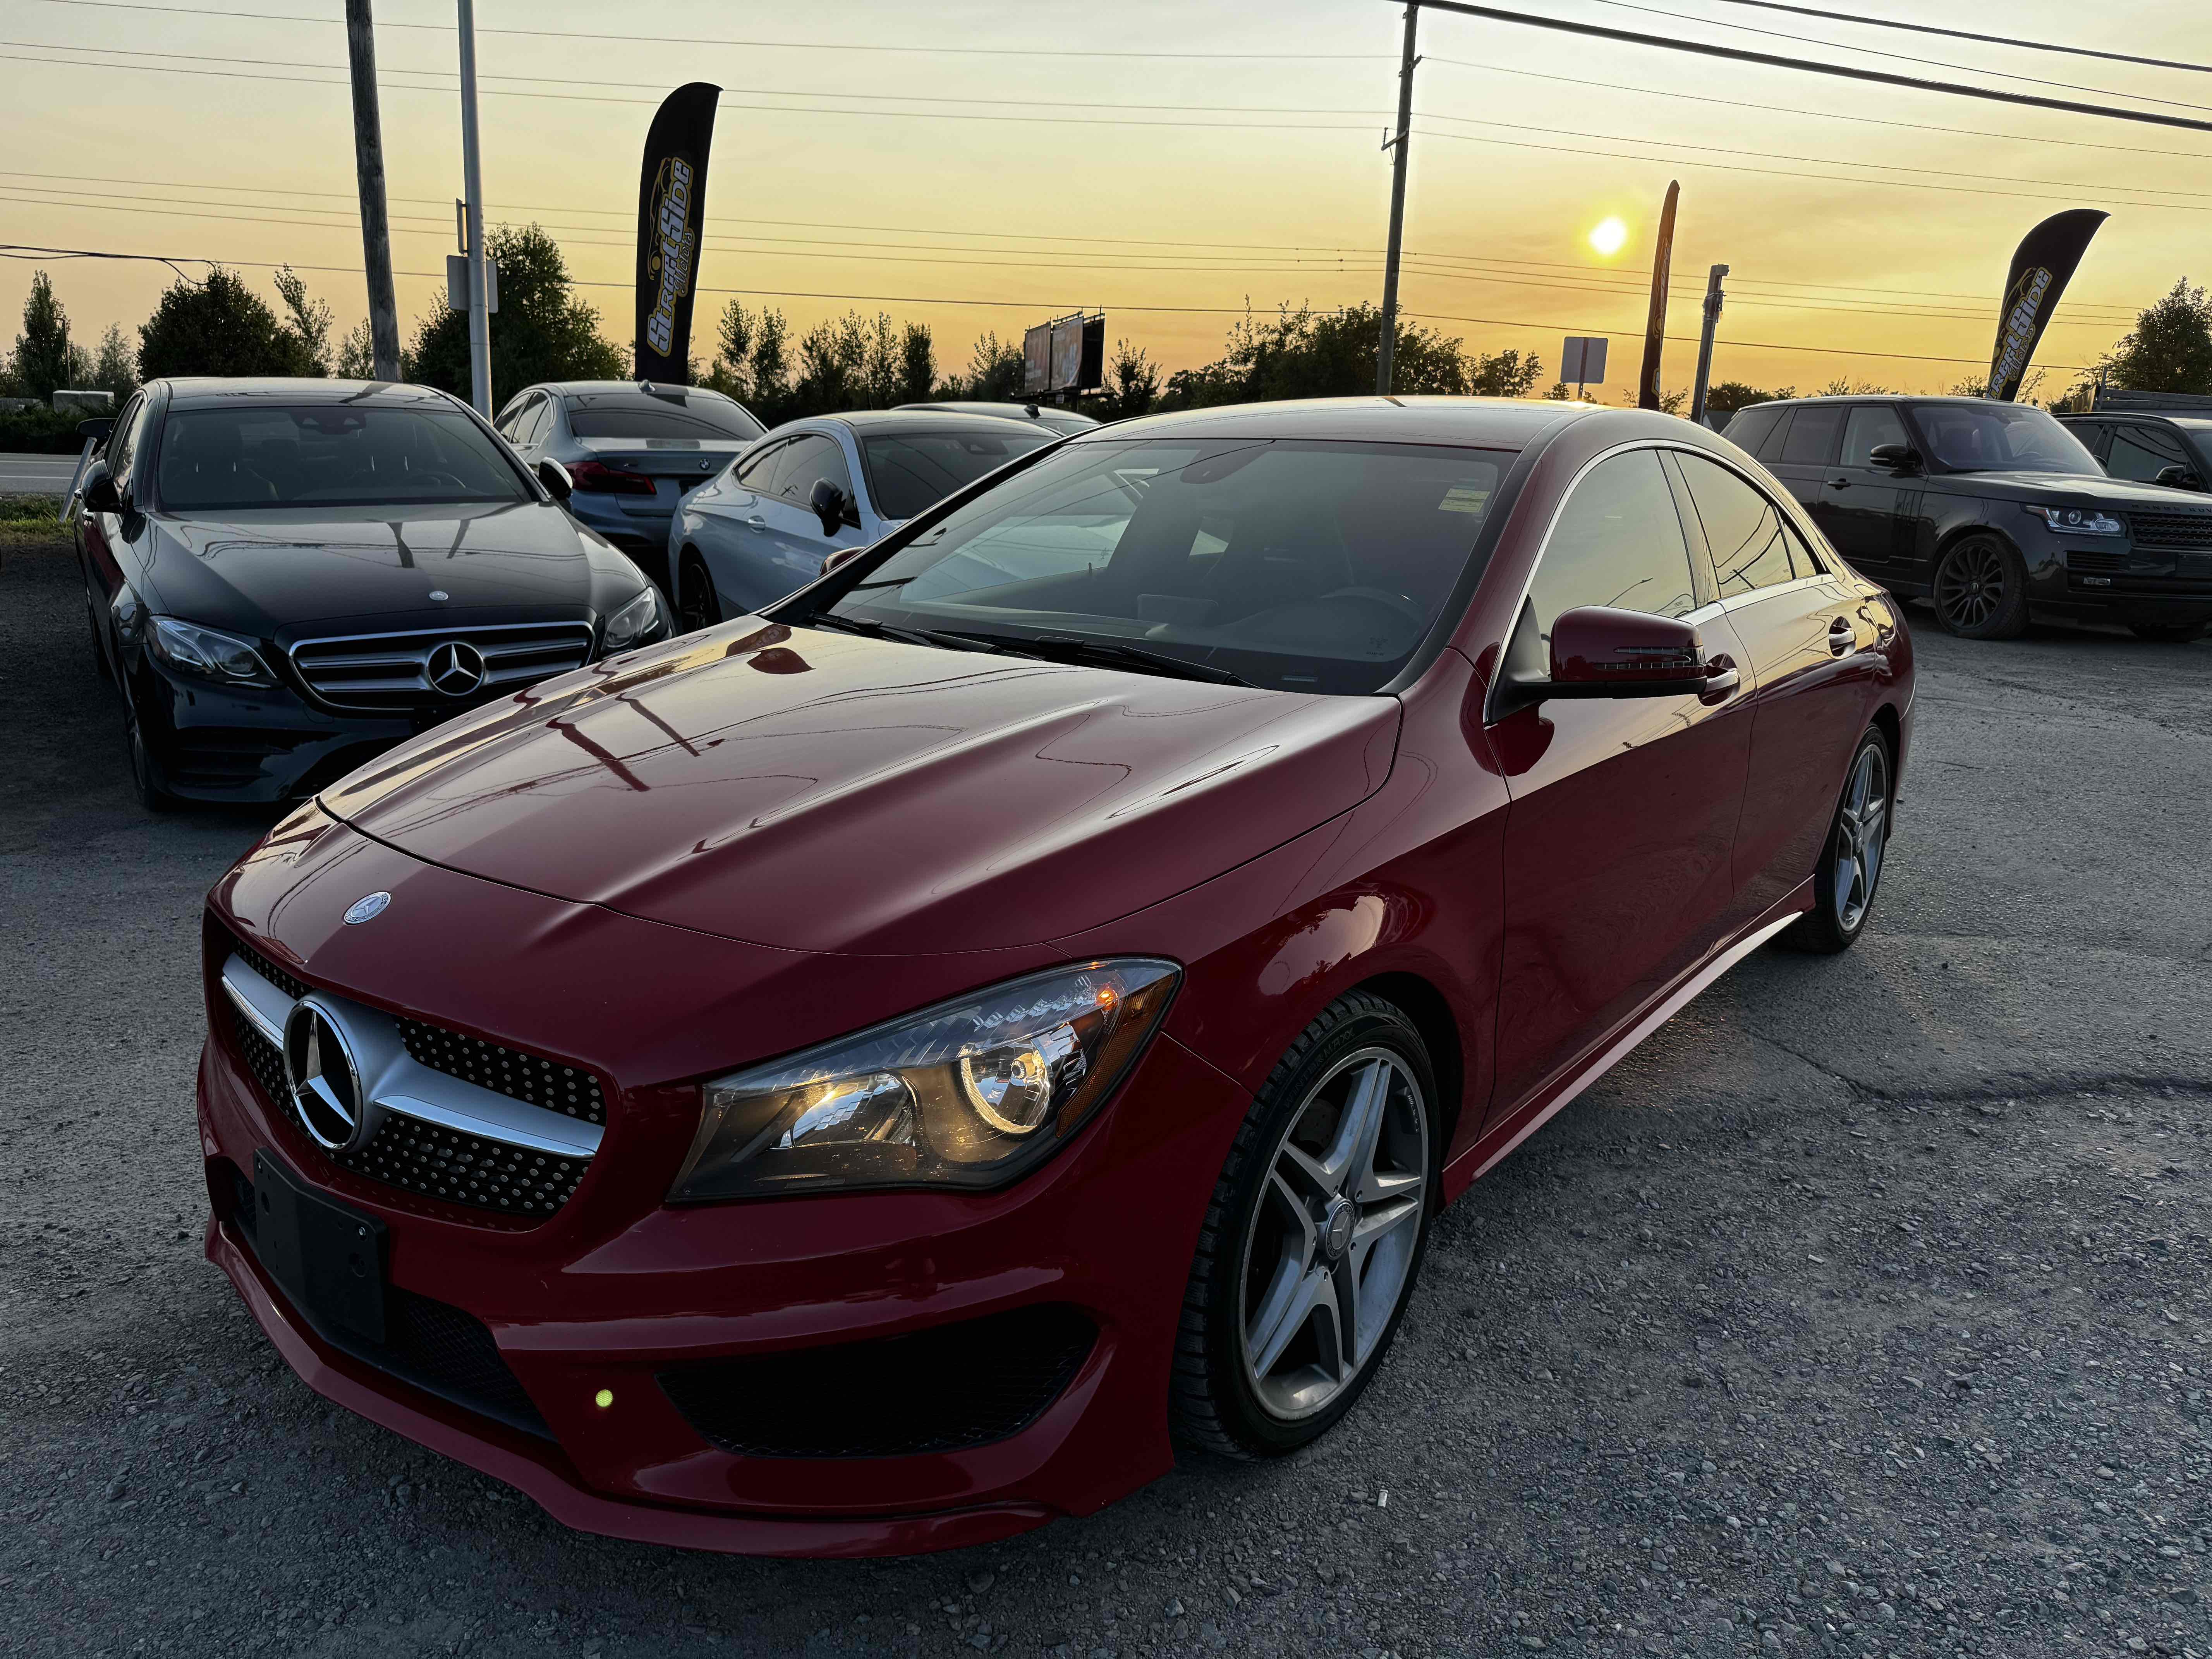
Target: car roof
<point>1915,398</point>
<point>892,422</point>
<point>2186,423</point>
<point>207,392</point>
<point>1474,423</point>
<point>660,388</point>
<point>987,406</point>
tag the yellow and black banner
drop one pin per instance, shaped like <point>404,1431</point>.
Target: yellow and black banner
<point>2042,266</point>
<point>671,215</point>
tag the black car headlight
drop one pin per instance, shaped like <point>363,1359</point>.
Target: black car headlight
<point>971,1093</point>
<point>634,623</point>
<point>2081,520</point>
<point>207,652</point>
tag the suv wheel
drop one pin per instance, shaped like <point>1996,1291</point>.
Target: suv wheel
<point>1313,1238</point>
<point>1981,590</point>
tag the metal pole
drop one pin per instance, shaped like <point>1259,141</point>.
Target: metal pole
<point>368,164</point>
<point>472,181</point>
<point>1713,299</point>
<point>1402,143</point>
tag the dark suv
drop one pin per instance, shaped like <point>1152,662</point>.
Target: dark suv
<point>2165,447</point>
<point>1994,511</point>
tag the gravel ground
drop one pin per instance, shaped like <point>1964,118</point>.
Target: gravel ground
<point>1863,1310</point>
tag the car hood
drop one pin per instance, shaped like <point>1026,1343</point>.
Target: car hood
<point>818,791</point>
<point>271,571</point>
<point>2076,490</point>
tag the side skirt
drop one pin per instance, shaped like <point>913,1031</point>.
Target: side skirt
<point>1479,1159</point>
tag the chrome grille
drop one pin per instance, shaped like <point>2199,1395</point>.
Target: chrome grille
<point>389,673</point>
<point>2187,530</point>
<point>508,1072</point>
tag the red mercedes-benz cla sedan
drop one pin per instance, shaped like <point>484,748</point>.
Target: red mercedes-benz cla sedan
<point>876,1074</point>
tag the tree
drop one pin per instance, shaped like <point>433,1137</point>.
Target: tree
<point>357,354</point>
<point>218,327</point>
<point>1132,385</point>
<point>42,362</point>
<point>116,369</point>
<point>996,370</point>
<point>1304,354</point>
<point>2169,350</point>
<point>917,364</point>
<point>1729,396</point>
<point>541,331</point>
<point>309,321</point>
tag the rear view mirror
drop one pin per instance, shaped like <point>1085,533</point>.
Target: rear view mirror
<point>2178,477</point>
<point>101,495</point>
<point>554,477</point>
<point>831,506</point>
<point>841,555</point>
<point>1894,458</point>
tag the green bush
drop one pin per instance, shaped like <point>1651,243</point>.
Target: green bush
<point>41,431</point>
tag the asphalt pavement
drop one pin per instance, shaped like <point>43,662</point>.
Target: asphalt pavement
<point>1863,1311</point>
<point>36,474</point>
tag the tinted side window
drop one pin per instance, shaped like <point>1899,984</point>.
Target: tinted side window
<point>1751,426</point>
<point>510,422</point>
<point>1870,424</point>
<point>1618,541</point>
<point>812,457</point>
<point>1812,439</point>
<point>1744,530</point>
<point>757,470</point>
<point>1769,446</point>
<point>2141,452</point>
<point>123,446</point>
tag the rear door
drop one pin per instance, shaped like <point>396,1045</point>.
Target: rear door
<point>1858,507</point>
<point>1800,630</point>
<point>1802,453</point>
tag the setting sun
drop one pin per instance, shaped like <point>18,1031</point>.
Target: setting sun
<point>1608,237</point>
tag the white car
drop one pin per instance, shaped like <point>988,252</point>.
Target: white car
<point>806,489</point>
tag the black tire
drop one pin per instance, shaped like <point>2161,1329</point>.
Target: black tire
<point>1214,1403</point>
<point>1981,590</point>
<point>92,635</point>
<point>2166,633</point>
<point>1834,923</point>
<point>144,783</point>
<point>697,605</point>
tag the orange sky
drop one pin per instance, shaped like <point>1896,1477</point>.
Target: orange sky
<point>991,187</point>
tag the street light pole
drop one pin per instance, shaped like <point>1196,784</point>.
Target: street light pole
<point>369,167</point>
<point>1402,143</point>
<point>1713,299</point>
<point>472,182</point>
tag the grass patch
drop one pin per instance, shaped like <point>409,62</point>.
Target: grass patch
<point>25,519</point>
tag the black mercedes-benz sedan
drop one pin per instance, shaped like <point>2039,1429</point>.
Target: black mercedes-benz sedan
<point>1993,512</point>
<point>286,577</point>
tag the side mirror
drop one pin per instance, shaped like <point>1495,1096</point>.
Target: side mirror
<point>554,477</point>
<point>832,507</point>
<point>842,556</point>
<point>101,495</point>
<point>1599,652</point>
<point>2178,477</point>
<point>1895,458</point>
<point>98,431</point>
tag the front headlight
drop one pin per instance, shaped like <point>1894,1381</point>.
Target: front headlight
<point>636,622</point>
<point>2080,521</point>
<point>969,1093</point>
<point>206,651</point>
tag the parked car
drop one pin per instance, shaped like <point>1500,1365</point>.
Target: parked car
<point>870,1077</point>
<point>2148,448</point>
<point>633,450</point>
<point>1993,512</point>
<point>285,578</point>
<point>1060,420</point>
<point>814,487</point>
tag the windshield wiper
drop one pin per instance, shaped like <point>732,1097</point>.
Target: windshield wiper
<point>1068,648</point>
<point>876,630</point>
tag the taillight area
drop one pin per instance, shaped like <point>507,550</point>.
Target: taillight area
<point>602,479</point>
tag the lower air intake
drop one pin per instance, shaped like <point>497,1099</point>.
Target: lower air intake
<point>941,1390</point>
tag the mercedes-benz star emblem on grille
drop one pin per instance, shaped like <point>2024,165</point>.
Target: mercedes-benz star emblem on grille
<point>455,668</point>
<point>324,1076</point>
<point>366,908</point>
<point>440,593</point>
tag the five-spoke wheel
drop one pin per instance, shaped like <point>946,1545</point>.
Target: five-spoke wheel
<point>1850,872</point>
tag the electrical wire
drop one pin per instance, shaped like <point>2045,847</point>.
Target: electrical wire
<point>1967,34</point>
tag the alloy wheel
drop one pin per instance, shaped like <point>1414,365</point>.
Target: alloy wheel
<point>695,598</point>
<point>1971,586</point>
<point>1861,835</point>
<point>1331,1247</point>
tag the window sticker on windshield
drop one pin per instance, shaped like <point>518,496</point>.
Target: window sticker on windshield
<point>1465,498</point>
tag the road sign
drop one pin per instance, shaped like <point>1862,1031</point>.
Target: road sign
<point>1583,361</point>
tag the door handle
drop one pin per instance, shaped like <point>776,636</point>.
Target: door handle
<point>1839,483</point>
<point>1843,639</point>
<point>757,522</point>
<point>1721,679</point>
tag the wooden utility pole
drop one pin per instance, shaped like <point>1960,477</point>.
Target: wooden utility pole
<point>1402,143</point>
<point>472,181</point>
<point>368,164</point>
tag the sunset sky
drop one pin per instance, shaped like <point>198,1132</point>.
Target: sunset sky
<point>973,180</point>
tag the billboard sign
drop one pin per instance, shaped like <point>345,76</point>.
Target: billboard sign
<point>1067,354</point>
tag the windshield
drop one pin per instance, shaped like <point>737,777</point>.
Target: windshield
<point>909,471</point>
<point>255,454</point>
<point>1304,566</point>
<point>641,415</point>
<point>2001,438</point>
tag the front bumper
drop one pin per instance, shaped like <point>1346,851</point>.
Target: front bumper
<point>2074,579</point>
<point>617,1290</point>
<point>250,744</point>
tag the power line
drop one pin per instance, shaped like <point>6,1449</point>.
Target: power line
<point>1967,34</point>
<point>634,38</point>
<point>1707,49</point>
<point>1897,57</point>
